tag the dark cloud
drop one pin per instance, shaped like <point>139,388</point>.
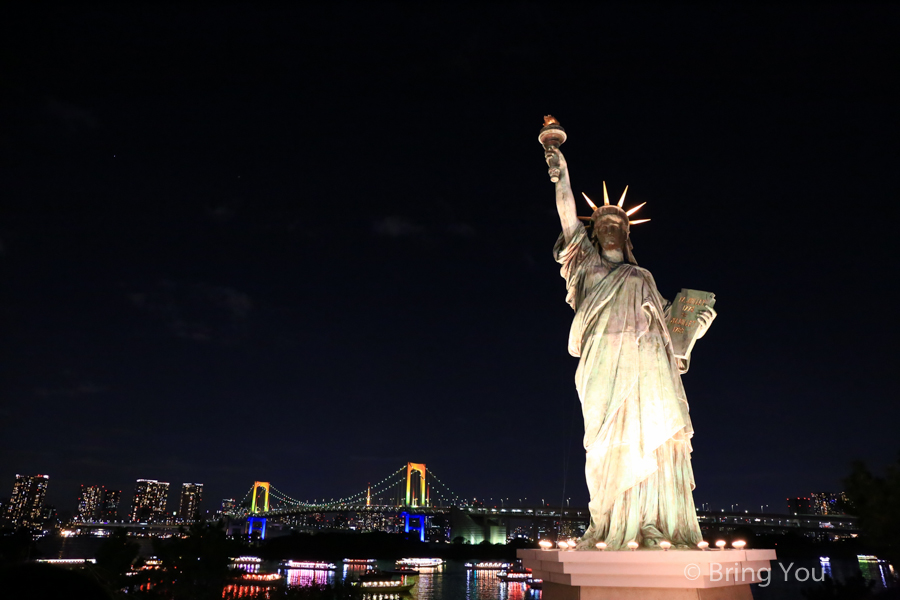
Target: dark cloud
<point>393,460</point>
<point>461,229</point>
<point>86,388</point>
<point>396,227</point>
<point>69,383</point>
<point>73,118</point>
<point>199,312</point>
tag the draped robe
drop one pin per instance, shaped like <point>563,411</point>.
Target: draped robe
<point>637,429</point>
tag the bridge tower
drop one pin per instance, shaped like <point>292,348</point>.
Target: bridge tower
<point>258,523</point>
<point>420,499</point>
<point>254,507</point>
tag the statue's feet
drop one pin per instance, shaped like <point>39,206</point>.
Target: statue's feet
<point>589,540</point>
<point>586,543</point>
<point>651,537</point>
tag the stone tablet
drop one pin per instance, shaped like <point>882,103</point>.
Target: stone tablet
<point>682,322</point>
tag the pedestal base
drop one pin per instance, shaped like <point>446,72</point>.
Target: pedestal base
<point>648,574</point>
<point>558,591</point>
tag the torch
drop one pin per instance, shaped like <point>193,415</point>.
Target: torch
<point>552,135</point>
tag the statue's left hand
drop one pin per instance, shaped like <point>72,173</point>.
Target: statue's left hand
<point>705,317</point>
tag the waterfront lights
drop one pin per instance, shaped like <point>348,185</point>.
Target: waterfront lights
<point>633,545</point>
<point>738,545</point>
<point>665,545</point>
<point>720,544</point>
<point>703,545</point>
<point>601,546</point>
<point>545,544</point>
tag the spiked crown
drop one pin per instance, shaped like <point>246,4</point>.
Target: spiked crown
<point>618,210</point>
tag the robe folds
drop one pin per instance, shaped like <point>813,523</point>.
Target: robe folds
<point>636,422</point>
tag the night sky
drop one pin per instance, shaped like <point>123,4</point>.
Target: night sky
<point>307,246</point>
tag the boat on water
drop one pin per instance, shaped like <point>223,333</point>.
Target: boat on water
<point>387,582</point>
<point>309,565</point>
<point>536,584</point>
<point>487,566</point>
<point>420,562</point>
<point>516,573</point>
<point>359,561</point>
<point>259,579</point>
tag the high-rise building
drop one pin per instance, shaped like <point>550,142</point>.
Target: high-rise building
<point>149,503</point>
<point>227,505</point>
<point>191,494</point>
<point>27,500</point>
<point>828,503</point>
<point>799,506</point>
<point>49,517</point>
<point>89,503</point>
<point>109,508</point>
<point>97,503</point>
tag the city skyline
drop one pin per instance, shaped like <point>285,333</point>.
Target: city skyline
<point>280,244</point>
<point>26,502</point>
<point>97,504</point>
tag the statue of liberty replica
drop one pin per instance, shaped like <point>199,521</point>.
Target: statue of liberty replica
<point>633,347</point>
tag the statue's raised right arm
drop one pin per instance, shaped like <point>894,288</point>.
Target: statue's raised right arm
<point>565,200</point>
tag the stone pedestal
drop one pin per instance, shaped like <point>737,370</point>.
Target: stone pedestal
<point>648,574</point>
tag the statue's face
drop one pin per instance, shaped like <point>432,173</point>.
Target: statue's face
<point>609,232</point>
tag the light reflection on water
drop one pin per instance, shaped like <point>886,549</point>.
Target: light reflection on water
<point>514,591</point>
<point>840,569</point>
<point>481,584</point>
<point>825,563</point>
<point>454,582</point>
<point>448,582</point>
<point>242,591</point>
<point>876,571</point>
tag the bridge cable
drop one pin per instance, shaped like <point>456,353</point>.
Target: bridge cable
<point>237,507</point>
<point>294,502</point>
<point>444,485</point>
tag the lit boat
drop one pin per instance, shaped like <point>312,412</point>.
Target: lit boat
<point>246,560</point>
<point>359,561</point>
<point>513,576</point>
<point>153,563</point>
<point>487,566</point>
<point>420,562</point>
<point>516,573</point>
<point>387,582</point>
<point>536,584</point>
<point>67,561</point>
<point>308,564</point>
<point>260,579</point>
